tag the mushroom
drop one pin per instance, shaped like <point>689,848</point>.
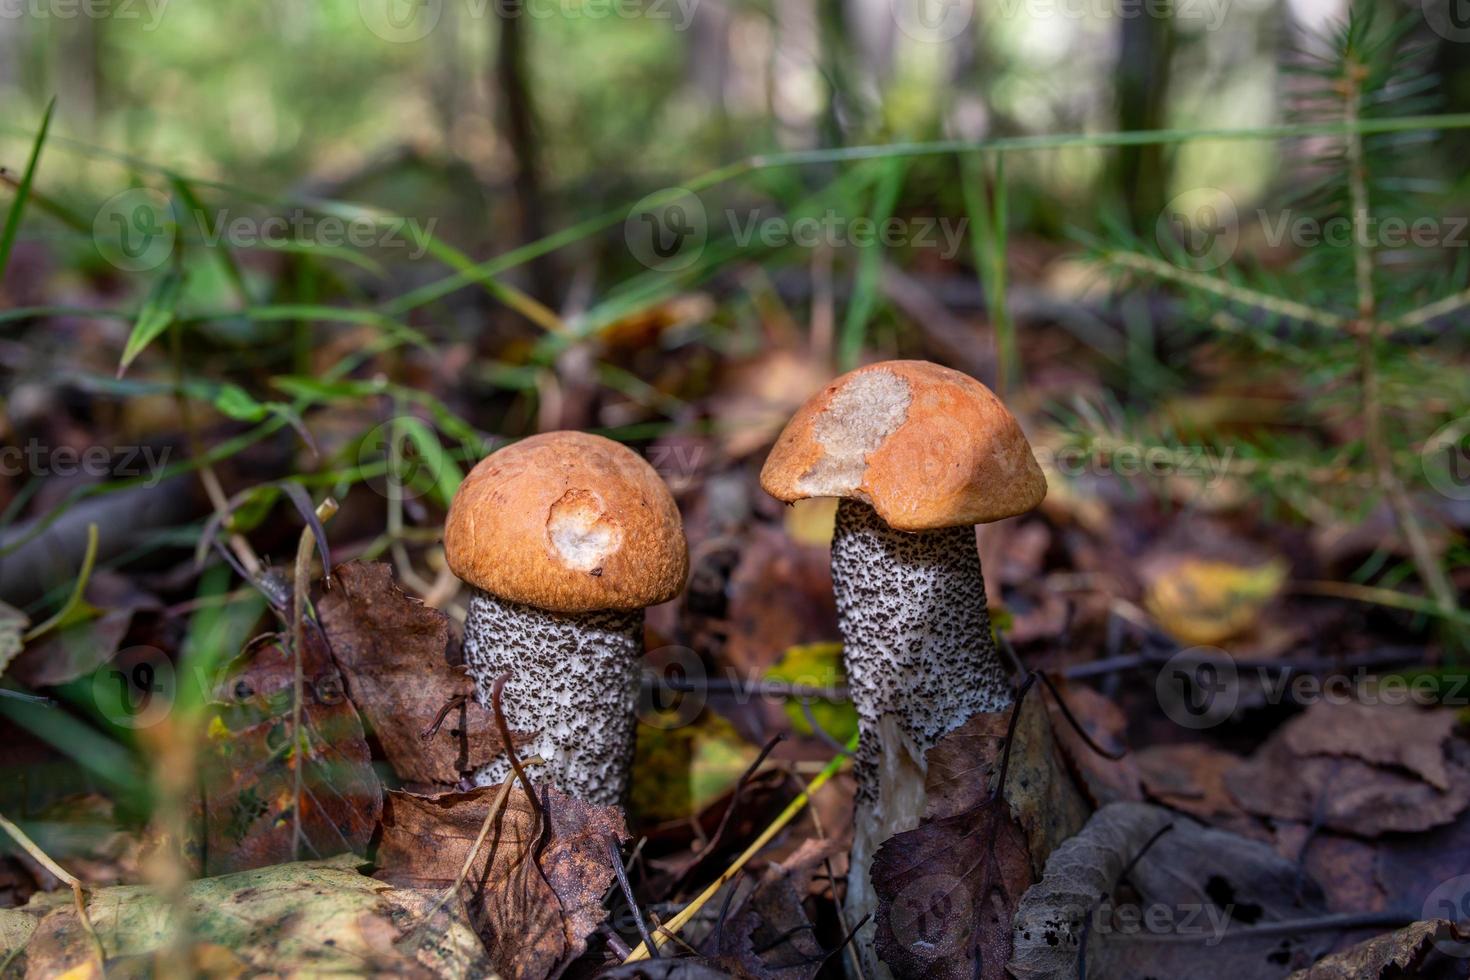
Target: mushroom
<point>566,538</point>
<point>917,454</point>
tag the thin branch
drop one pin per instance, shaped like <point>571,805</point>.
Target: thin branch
<point>496,692</point>
<point>622,876</point>
<point>66,878</point>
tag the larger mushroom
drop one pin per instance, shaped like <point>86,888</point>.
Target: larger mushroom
<point>566,538</point>
<point>918,454</point>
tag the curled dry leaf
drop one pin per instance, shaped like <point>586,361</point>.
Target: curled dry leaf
<point>322,918</point>
<point>1423,950</point>
<point>391,651</point>
<point>1332,784</point>
<point>1191,886</point>
<point>244,817</point>
<point>947,890</point>
<point>534,889</point>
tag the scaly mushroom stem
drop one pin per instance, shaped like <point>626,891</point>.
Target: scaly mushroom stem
<point>920,662</point>
<point>573,683</point>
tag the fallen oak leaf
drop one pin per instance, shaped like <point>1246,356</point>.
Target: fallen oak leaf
<point>391,649</point>
<point>534,890</point>
<point>1191,884</point>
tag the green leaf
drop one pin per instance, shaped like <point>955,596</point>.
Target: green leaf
<point>23,191</point>
<point>157,313</point>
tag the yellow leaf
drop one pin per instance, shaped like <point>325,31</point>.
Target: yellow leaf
<point>1203,602</point>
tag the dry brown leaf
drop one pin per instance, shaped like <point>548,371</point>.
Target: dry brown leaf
<point>391,651</point>
<point>946,890</point>
<point>1414,951</point>
<point>1104,780</point>
<point>245,817</point>
<point>1184,892</point>
<point>1382,734</point>
<point>1347,794</point>
<point>534,891</point>
<point>1190,777</point>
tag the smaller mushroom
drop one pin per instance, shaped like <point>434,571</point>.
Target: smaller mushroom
<point>565,538</point>
<point>918,454</point>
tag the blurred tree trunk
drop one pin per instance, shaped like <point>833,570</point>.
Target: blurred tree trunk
<point>833,62</point>
<point>1145,55</point>
<point>518,122</point>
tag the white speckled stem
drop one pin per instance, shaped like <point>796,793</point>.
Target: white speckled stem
<point>920,663</point>
<point>573,682</point>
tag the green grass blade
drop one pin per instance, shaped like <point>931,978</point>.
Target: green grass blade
<point>154,318</point>
<point>23,191</point>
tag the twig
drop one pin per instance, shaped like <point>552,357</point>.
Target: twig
<point>614,942</point>
<point>622,875</point>
<point>458,701</point>
<point>302,579</point>
<point>1113,755</point>
<point>786,816</point>
<point>510,748</point>
<point>1087,923</point>
<point>66,878</point>
<point>745,778</point>
<point>854,961</point>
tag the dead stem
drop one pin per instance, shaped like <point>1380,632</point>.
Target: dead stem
<point>66,878</point>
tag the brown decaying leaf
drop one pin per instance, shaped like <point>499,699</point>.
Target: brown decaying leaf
<point>319,918</point>
<point>947,890</point>
<point>1381,734</point>
<point>244,818</point>
<point>1343,792</point>
<point>1104,780</point>
<point>1193,882</point>
<point>534,891</point>
<point>1417,951</point>
<point>1190,777</point>
<point>768,934</point>
<point>391,651</point>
